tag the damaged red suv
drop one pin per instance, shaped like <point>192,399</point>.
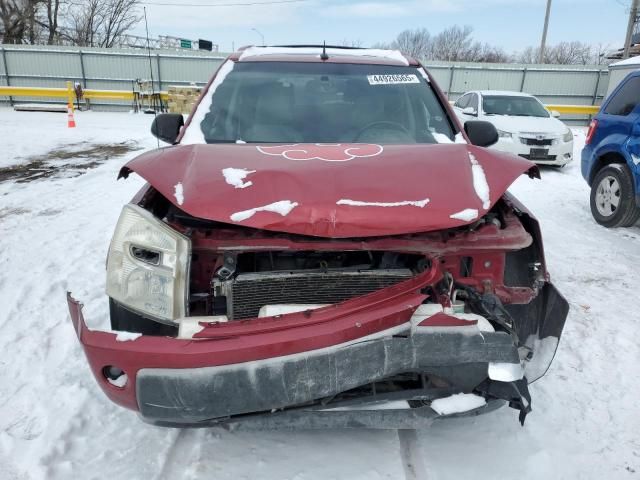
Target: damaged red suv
<point>324,245</point>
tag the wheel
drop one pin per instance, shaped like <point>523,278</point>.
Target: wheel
<point>612,197</point>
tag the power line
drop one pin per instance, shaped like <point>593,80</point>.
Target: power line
<point>235,4</point>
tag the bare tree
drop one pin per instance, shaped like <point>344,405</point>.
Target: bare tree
<point>17,20</point>
<point>599,54</point>
<point>120,17</point>
<point>100,23</point>
<point>415,43</point>
<point>453,44</point>
<point>52,8</point>
<point>563,53</point>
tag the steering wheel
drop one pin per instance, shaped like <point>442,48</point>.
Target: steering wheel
<point>396,126</point>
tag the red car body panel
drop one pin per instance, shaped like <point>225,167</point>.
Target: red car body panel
<point>338,191</point>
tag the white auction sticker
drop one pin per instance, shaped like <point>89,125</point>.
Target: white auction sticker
<point>392,79</point>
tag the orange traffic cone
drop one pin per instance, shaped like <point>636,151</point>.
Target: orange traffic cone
<point>71,123</point>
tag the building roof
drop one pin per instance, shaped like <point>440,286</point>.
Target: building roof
<point>633,61</point>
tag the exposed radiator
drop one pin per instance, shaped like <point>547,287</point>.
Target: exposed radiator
<point>248,292</point>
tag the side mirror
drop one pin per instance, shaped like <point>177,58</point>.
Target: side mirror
<point>555,114</point>
<point>470,111</point>
<point>481,133</point>
<point>166,127</point>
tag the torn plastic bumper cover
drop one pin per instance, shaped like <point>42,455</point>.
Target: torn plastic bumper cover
<point>197,382</point>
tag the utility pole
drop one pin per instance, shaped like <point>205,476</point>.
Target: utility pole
<point>544,32</point>
<point>633,15</point>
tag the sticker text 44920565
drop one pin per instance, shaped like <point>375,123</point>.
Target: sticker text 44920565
<point>392,79</point>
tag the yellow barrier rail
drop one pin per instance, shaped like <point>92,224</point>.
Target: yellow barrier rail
<point>575,109</point>
<point>89,93</point>
<point>92,94</point>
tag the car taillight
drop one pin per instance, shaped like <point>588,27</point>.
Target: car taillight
<point>591,132</point>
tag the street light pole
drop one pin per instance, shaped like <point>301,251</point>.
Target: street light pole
<point>544,33</point>
<point>259,33</point>
<point>633,15</point>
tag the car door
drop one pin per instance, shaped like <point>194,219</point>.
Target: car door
<point>633,144</point>
<point>619,117</point>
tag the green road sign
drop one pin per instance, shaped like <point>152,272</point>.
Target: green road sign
<point>185,43</point>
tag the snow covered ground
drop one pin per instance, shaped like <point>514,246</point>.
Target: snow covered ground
<point>55,423</point>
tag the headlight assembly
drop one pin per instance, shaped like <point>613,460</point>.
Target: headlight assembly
<point>503,134</point>
<point>568,136</point>
<point>147,267</point>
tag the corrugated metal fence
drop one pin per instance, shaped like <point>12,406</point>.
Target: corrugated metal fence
<point>117,69</point>
<point>101,68</point>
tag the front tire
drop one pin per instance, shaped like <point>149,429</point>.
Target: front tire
<point>612,197</point>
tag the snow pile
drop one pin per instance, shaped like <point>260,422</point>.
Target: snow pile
<point>465,215</point>
<point>193,133</point>
<point>127,336</point>
<point>283,207</point>
<point>236,176</point>
<point>458,403</point>
<point>480,182</point>
<point>394,55</point>
<point>179,193</point>
<point>403,203</point>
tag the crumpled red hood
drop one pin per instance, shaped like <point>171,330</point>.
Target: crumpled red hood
<point>334,191</point>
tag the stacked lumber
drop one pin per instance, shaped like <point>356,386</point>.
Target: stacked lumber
<point>182,98</point>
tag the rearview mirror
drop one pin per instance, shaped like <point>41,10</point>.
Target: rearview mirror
<point>555,114</point>
<point>481,133</point>
<point>470,111</point>
<point>166,127</point>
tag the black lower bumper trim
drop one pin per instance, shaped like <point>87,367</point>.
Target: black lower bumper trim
<point>198,395</point>
<point>516,393</point>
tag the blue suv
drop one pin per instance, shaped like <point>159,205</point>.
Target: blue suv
<point>611,157</point>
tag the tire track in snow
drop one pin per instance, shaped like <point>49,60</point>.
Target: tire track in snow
<point>181,455</point>
<point>412,463</point>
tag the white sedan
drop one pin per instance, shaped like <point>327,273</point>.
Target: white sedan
<point>525,126</point>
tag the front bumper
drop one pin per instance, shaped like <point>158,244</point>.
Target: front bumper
<point>562,152</point>
<point>291,367</point>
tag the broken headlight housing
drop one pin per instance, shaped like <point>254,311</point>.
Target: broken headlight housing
<point>147,267</point>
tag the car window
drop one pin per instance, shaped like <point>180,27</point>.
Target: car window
<point>473,103</point>
<point>463,101</point>
<point>625,101</point>
<point>513,105</point>
<point>298,102</point>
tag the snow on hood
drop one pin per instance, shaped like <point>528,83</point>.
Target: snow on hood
<point>335,191</point>
<point>527,124</point>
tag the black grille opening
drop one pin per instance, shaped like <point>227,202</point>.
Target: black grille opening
<point>310,277</point>
<point>250,292</point>
<point>538,157</point>
<point>535,141</point>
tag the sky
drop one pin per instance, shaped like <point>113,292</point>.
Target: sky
<point>510,24</point>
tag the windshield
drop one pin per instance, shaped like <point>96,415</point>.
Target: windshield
<point>513,105</point>
<point>294,102</point>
